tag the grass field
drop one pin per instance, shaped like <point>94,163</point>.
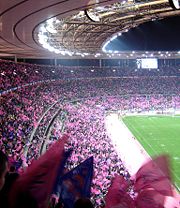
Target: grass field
<point>158,134</point>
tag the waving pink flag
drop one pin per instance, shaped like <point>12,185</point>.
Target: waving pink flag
<point>117,195</point>
<point>150,199</point>
<point>155,174</point>
<point>36,183</point>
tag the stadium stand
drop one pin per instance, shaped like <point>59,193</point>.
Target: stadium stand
<point>27,91</point>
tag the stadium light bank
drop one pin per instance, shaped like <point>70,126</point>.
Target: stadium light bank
<point>108,41</point>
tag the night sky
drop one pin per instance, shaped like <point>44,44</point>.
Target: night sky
<point>155,35</point>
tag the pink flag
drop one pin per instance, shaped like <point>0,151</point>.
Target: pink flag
<point>117,195</point>
<point>35,124</point>
<point>150,199</point>
<point>1,112</point>
<point>36,183</point>
<point>155,174</point>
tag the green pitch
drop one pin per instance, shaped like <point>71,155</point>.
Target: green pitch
<point>158,134</point>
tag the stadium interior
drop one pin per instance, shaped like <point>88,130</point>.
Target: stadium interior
<point>63,75</point>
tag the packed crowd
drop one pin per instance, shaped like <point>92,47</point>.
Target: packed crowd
<point>19,114</point>
<point>86,125</point>
<point>21,110</point>
<point>29,104</point>
<point>17,74</point>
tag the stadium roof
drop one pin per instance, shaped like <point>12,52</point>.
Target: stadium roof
<point>74,28</point>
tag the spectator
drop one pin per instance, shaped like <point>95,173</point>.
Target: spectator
<point>3,168</point>
<point>83,203</point>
